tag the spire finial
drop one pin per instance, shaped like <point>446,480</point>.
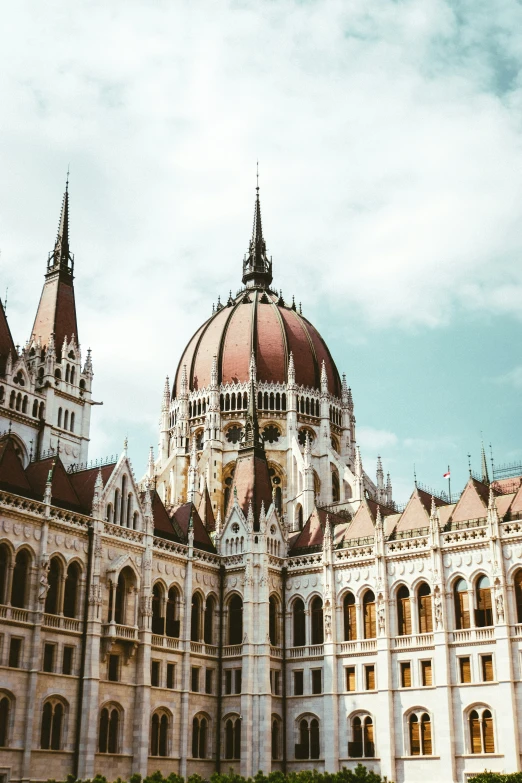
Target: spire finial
<point>61,257</point>
<point>485,474</point>
<point>257,267</point>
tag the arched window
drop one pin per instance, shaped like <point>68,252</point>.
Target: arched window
<point>370,628</point>
<point>362,744</point>
<point>299,623</point>
<point>5,562</point>
<point>110,513</point>
<point>159,734</point>
<point>70,594</point>
<point>60,413</point>
<point>117,506</point>
<point>67,373</point>
<point>350,622</point>
<point>403,611</point>
<point>481,731</point>
<point>66,420</point>
<point>335,485</point>
<point>415,745</point>
<point>35,408</point>
<point>425,608</point>
<point>272,621</point>
<point>73,373</point>
<point>235,620</point>
<point>172,614</point>
<point>518,595</point>
<point>233,738</point>
<point>199,737</point>
<point>123,518</point>
<point>124,587</point>
<point>299,516</point>
<point>108,740</point>
<point>54,579</point>
<point>460,593</point>
<point>41,411</point>
<point>484,610</point>
<point>208,630</point>
<point>19,588</point>
<point>52,724</point>
<point>309,740</point>
<point>316,608</point>
<point>276,739</point>
<point>72,422</point>
<point>158,620</point>
<point>135,520</point>
<point>24,404</point>
<point>426,746</point>
<point>195,618</point>
<point>5,715</point>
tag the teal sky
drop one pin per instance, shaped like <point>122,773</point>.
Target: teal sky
<point>389,136</point>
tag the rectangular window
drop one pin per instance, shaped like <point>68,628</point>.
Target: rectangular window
<point>114,668</point>
<point>317,681</point>
<point>228,681</point>
<point>405,674</point>
<point>487,668</point>
<point>350,678</point>
<point>369,676</point>
<point>238,680</point>
<point>465,669</point>
<point>15,653</point>
<point>298,683</point>
<point>48,658</point>
<point>209,676</point>
<point>277,682</point>
<point>426,673</point>
<point>171,675</point>
<point>155,674</point>
<point>195,679</point>
<point>67,659</point>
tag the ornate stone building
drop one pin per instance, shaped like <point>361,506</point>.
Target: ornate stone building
<point>256,600</point>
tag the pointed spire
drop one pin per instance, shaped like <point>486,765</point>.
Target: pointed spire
<point>150,466</point>
<point>184,382</point>
<point>219,524</point>
<point>61,257</point>
<point>358,462</point>
<point>344,392</point>
<point>166,395</point>
<point>250,517</point>
<point>251,436</point>
<point>214,373</point>
<point>98,490</point>
<point>291,370</point>
<point>252,368</point>
<point>485,474</point>
<point>307,450</point>
<point>257,268</point>
<point>87,368</point>
<point>324,379</point>
<point>378,519</point>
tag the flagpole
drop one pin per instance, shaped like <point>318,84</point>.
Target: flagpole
<point>449,483</point>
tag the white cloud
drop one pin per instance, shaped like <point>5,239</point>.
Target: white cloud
<point>374,440</point>
<point>511,378</point>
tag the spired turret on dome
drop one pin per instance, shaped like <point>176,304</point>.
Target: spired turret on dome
<point>257,268</point>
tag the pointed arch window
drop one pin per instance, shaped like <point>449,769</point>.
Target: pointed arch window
<point>518,595</point>
<point>199,737</point>
<point>403,611</point>
<point>370,626</point>
<point>350,620</point>
<point>233,738</point>
<point>108,737</point>
<point>66,420</point>
<point>317,636</point>
<point>172,622</point>
<point>72,586</point>
<point>159,734</point>
<point>484,610</point>
<point>60,414</point>
<point>276,732</point>
<point>54,578</point>
<point>299,623</point>
<point>19,587</point>
<point>235,620</point>
<point>72,422</point>
<point>481,734</point>
<point>425,609</point>
<point>195,618</point>
<point>158,619</point>
<point>52,724</point>
<point>5,562</point>
<point>461,596</point>
<point>272,621</point>
<point>208,630</point>
<point>5,717</point>
<point>362,743</point>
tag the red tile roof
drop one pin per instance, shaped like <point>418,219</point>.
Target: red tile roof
<point>182,516</point>
<point>12,474</point>
<point>63,493</point>
<point>206,512</point>
<point>83,482</point>
<point>312,534</point>
<point>56,311</point>
<point>251,483</point>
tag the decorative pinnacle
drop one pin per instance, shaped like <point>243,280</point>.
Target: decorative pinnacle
<point>291,370</point>
<point>252,368</point>
<point>61,257</point>
<point>214,372</point>
<point>378,518</point>
<point>485,474</point>
<point>184,382</point>
<point>150,467</point>
<point>125,445</point>
<point>358,462</point>
<point>324,378</point>
<point>257,268</point>
<point>166,395</point>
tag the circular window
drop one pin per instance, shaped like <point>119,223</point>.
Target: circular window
<point>234,434</point>
<point>235,528</point>
<point>271,434</point>
<point>302,436</point>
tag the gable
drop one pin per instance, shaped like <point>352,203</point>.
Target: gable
<point>62,491</point>
<point>472,504</point>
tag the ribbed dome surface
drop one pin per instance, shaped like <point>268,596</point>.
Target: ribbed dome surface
<point>257,320</point>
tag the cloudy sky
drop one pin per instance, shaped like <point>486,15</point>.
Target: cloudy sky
<point>389,135</point>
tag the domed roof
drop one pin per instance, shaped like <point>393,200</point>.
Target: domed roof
<point>258,321</point>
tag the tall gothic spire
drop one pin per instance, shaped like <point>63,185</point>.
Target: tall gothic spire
<point>56,313</point>
<point>485,473</point>
<point>251,435</point>
<point>257,268</point>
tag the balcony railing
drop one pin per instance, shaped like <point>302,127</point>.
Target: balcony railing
<point>359,646</point>
<point>203,649</point>
<point>308,651</point>
<point>276,652</point>
<point>467,635</point>
<point>58,621</point>
<point>14,613</point>
<point>232,650</point>
<point>126,632</point>
<point>415,640</point>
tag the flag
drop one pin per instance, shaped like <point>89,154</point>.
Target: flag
<point>447,474</point>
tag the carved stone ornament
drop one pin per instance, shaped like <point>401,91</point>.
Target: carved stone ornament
<point>437,606</point>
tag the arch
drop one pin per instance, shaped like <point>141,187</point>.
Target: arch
<point>160,732</point>
<point>54,581</point>
<point>71,590</point>
<point>72,422</point>
<point>349,617</point>
<point>233,737</point>
<point>110,728</point>
<point>336,491</point>
<point>425,609</point>
<point>299,516</point>
<point>5,564</point>
<point>370,626</point>
<point>52,725</point>
<point>308,733</point>
<point>200,735</point>
<point>20,583</point>
<point>66,420</point>
<point>110,513</point>
<point>172,620</point>
<point>273,611</point>
<point>209,619</point>
<point>124,586</point>
<point>361,739</point>
<point>73,373</point>
<point>235,619</point>
<point>461,600</point>
<point>480,729</point>
<point>158,610</point>
<point>317,625</point>
<point>298,612</point>
<point>275,738</point>
<point>195,617</point>
<point>60,414</point>
<point>484,610</point>
<point>403,611</point>
<point>7,703</point>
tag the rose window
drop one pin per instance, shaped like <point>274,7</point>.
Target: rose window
<point>271,434</point>
<point>234,434</point>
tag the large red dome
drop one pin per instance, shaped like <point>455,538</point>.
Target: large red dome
<point>257,320</point>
